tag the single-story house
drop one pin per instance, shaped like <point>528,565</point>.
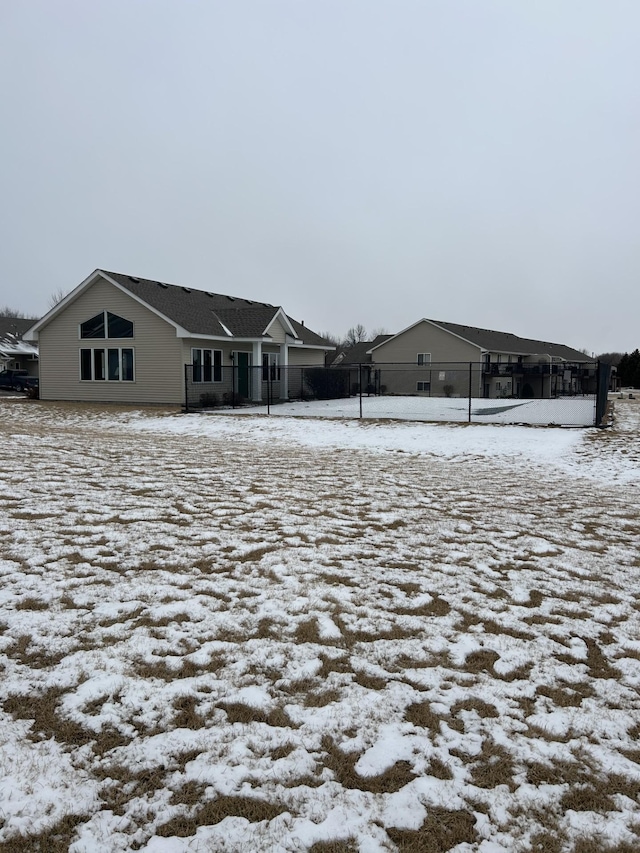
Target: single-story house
<point>121,338</point>
<point>16,353</point>
<point>433,357</point>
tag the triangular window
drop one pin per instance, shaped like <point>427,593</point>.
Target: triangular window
<point>106,325</point>
<point>93,328</point>
<point>118,327</point>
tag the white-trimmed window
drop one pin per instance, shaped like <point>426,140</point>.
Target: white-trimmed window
<point>115,364</point>
<point>424,358</point>
<point>270,366</point>
<point>423,387</point>
<point>106,325</point>
<point>207,365</point>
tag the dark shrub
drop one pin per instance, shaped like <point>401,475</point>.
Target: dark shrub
<point>208,400</point>
<point>326,383</point>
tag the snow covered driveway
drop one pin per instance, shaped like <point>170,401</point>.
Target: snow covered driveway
<point>252,634</point>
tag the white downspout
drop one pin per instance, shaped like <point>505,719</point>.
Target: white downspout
<point>256,379</point>
<point>284,364</point>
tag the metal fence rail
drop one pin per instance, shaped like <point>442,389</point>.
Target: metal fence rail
<point>473,392</point>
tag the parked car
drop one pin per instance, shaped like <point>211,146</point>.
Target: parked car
<point>17,380</point>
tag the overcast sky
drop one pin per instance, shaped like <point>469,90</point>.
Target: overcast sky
<point>355,161</point>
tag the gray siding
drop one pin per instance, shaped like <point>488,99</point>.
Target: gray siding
<point>424,337</point>
<point>276,332</point>
<point>158,366</point>
<point>306,357</point>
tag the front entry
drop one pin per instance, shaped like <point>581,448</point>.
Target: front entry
<point>243,374</point>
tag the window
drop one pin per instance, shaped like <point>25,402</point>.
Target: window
<point>270,366</point>
<point>424,358</point>
<point>106,325</point>
<point>93,328</point>
<point>207,365</point>
<point>118,327</point>
<point>112,365</point>
<point>423,386</point>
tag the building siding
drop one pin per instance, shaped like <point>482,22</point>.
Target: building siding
<point>424,337</point>
<point>305,357</point>
<point>276,332</point>
<point>158,369</point>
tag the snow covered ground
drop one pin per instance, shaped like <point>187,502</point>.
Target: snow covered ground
<point>562,411</point>
<point>223,633</point>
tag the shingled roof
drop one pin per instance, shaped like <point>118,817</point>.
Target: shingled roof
<point>358,353</point>
<point>11,331</point>
<point>509,343</point>
<point>206,313</point>
<point>503,342</point>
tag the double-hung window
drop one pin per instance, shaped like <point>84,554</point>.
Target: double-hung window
<point>106,363</point>
<point>270,366</point>
<point>424,358</point>
<point>206,364</point>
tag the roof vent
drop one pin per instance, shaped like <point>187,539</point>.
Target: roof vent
<point>209,294</point>
<point>231,299</point>
<point>133,278</point>
<point>162,284</point>
<point>186,290</point>
<point>248,301</point>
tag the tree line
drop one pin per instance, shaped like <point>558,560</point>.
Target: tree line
<point>355,335</point>
<point>629,369</point>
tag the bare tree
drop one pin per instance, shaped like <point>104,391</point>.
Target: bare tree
<point>331,338</point>
<point>380,330</point>
<point>7,311</point>
<point>57,296</point>
<point>355,335</point>
<point>611,358</point>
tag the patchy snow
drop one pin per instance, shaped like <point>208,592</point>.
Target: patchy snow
<point>267,633</point>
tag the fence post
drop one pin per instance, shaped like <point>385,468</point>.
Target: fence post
<point>360,387</point>
<point>186,388</point>
<point>470,386</point>
<point>269,390</point>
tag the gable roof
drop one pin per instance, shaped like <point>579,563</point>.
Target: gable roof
<point>200,312</point>
<point>11,332</point>
<point>503,342</point>
<point>358,353</point>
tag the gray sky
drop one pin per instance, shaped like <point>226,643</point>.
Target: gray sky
<point>355,161</point>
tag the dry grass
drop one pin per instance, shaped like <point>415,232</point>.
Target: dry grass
<point>420,714</point>
<point>567,696</point>
<point>30,603</point>
<point>442,829</point>
<point>121,785</point>
<point>56,839</point>
<point>238,712</point>
<point>228,596</point>
<point>343,767</point>
<point>49,722</point>
<point>348,845</point>
<point>494,766</point>
<point>252,809</point>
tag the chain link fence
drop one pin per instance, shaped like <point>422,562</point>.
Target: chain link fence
<point>470,392</point>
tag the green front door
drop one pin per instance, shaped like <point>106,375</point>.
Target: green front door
<point>243,380</point>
